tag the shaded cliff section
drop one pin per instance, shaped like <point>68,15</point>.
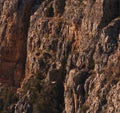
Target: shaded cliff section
<point>68,49</point>
<point>14,25</point>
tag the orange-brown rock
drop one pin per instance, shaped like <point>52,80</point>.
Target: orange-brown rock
<point>14,23</point>
<point>67,51</point>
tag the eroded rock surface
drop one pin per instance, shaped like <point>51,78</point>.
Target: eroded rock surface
<point>74,44</point>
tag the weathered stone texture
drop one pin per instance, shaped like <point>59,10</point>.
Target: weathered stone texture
<point>72,42</point>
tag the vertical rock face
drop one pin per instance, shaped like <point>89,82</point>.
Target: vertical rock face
<point>74,44</point>
<point>12,41</point>
<point>14,24</point>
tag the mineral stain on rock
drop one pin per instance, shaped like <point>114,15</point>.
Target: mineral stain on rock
<point>59,56</point>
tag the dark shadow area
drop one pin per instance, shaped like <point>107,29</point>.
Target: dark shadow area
<point>36,5</point>
<point>59,6</point>
<point>110,12</point>
<point>49,12</point>
<point>24,10</point>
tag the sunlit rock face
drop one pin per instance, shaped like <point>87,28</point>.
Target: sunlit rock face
<point>74,44</point>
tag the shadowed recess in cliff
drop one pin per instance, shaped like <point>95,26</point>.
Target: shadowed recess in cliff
<point>27,12</point>
<point>59,7</point>
<point>110,12</point>
<point>36,5</point>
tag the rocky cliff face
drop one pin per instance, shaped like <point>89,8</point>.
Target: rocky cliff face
<point>63,54</point>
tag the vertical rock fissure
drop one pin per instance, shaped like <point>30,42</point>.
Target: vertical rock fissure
<point>33,6</point>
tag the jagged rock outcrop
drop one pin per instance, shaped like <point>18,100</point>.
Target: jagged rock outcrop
<point>74,44</point>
